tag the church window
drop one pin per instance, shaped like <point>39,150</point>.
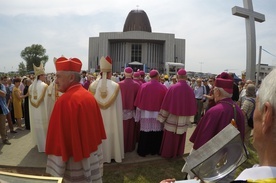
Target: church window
<point>136,53</point>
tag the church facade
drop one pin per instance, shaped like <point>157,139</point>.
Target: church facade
<point>137,46</point>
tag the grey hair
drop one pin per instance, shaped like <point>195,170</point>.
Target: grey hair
<point>250,90</point>
<point>224,93</point>
<point>76,74</point>
<point>267,91</point>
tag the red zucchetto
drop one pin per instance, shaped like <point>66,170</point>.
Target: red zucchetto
<point>71,64</point>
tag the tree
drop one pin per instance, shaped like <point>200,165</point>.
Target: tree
<point>22,69</point>
<point>34,55</point>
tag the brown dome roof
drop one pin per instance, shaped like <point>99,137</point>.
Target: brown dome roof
<point>137,20</point>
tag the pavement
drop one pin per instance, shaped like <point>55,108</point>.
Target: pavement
<point>21,152</point>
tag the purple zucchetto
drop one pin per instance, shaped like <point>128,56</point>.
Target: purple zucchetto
<point>181,72</point>
<point>225,81</point>
<point>136,74</point>
<point>128,71</point>
<point>142,73</point>
<point>153,73</point>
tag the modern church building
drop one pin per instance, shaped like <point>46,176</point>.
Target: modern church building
<point>137,46</point>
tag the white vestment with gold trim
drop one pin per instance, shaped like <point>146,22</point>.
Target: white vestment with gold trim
<point>112,114</point>
<point>39,118</point>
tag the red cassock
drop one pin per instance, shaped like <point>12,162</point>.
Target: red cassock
<point>76,126</point>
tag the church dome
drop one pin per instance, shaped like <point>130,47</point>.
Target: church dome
<point>137,20</point>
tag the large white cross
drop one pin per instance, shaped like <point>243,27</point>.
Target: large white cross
<point>250,17</point>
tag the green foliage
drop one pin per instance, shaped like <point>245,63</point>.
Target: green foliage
<point>34,54</point>
<point>22,69</point>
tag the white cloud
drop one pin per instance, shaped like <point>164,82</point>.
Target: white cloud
<point>213,35</point>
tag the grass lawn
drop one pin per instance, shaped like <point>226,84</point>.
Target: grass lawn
<point>144,172</point>
<point>152,171</point>
<point>156,170</point>
<point>252,159</point>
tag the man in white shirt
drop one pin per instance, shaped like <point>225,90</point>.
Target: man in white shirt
<point>199,92</point>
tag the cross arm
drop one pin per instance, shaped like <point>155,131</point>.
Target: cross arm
<point>242,12</point>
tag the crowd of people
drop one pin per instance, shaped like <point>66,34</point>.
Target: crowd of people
<point>82,120</point>
<point>251,105</point>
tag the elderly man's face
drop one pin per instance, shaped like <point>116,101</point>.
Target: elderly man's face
<point>216,94</point>
<point>62,81</point>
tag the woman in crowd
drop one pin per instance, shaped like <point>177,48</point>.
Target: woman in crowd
<point>17,102</point>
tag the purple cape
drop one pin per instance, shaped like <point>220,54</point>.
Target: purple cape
<point>129,90</point>
<point>150,96</point>
<point>180,100</point>
<point>138,81</point>
<point>215,119</point>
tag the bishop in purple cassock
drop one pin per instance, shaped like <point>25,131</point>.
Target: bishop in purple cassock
<point>177,112</point>
<point>218,117</point>
<point>129,90</point>
<point>148,101</point>
<point>137,78</point>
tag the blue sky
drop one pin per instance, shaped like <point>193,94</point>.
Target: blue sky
<point>215,39</point>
